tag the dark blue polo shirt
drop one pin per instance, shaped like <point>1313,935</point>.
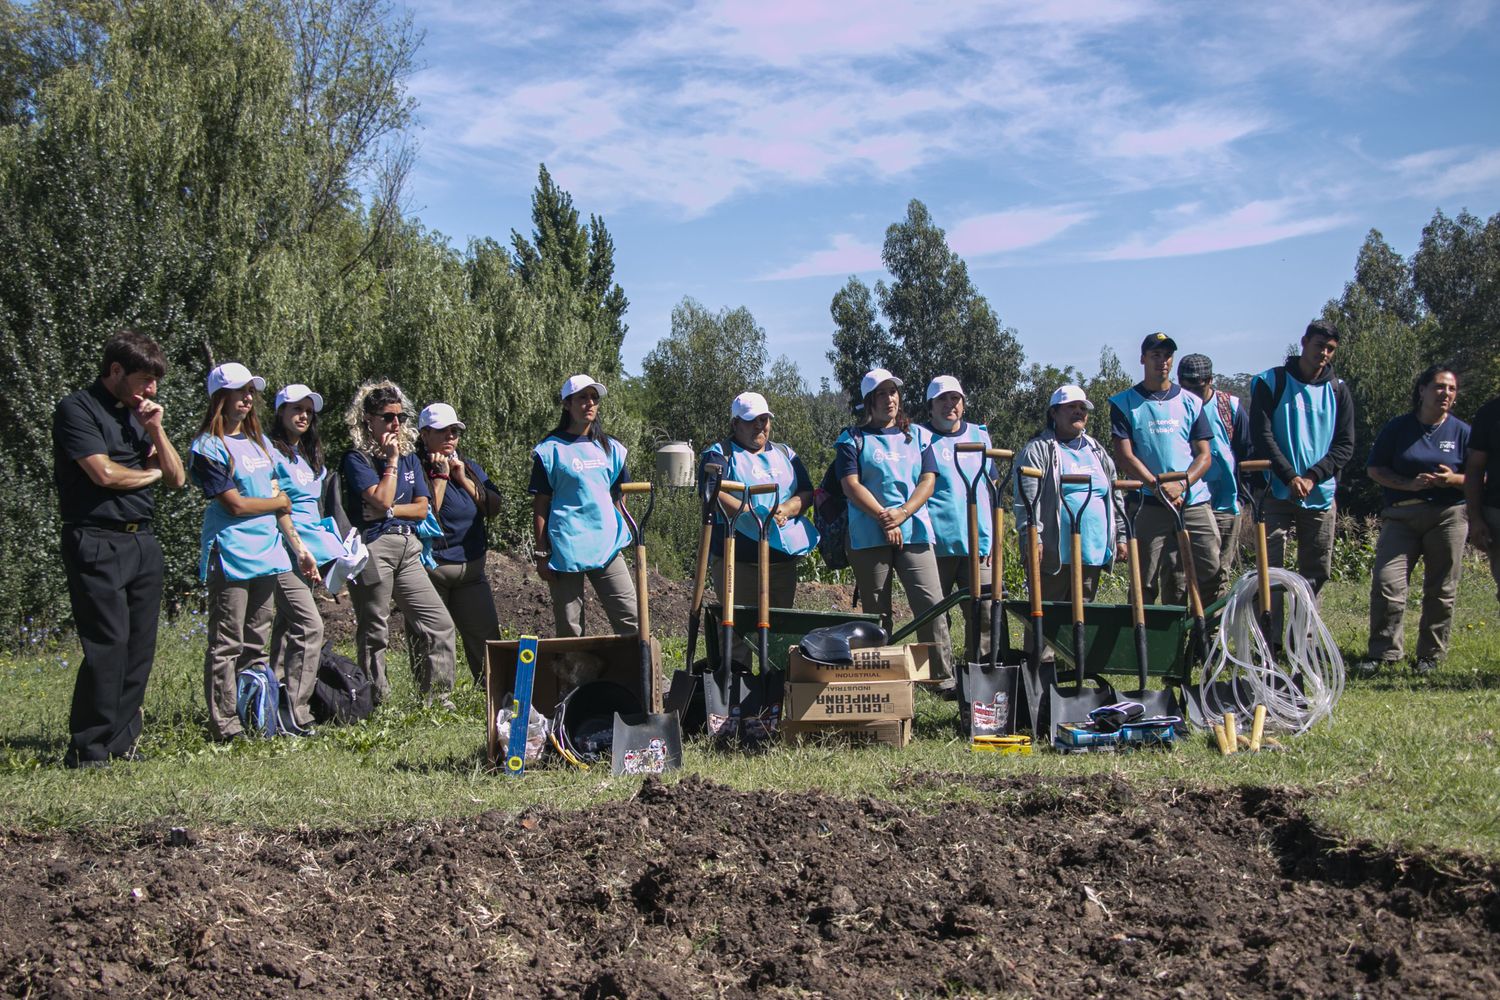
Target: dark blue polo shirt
<point>359,472</point>
<point>1409,447</point>
<point>464,535</point>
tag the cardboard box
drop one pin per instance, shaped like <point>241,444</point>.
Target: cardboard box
<point>880,663</point>
<point>874,701</point>
<point>619,658</point>
<point>895,733</point>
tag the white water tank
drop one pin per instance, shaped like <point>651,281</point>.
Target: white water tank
<point>676,463</point>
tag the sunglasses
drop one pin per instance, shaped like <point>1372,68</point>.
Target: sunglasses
<point>392,418</point>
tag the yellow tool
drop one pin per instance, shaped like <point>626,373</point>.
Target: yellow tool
<point>1001,744</point>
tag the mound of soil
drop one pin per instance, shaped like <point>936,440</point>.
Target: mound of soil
<point>1074,888</point>
<point>526,607</point>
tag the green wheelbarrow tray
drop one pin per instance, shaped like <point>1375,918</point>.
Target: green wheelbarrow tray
<point>788,626</point>
<point>1109,636</point>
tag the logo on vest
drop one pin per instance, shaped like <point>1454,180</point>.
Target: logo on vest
<point>884,456</point>
<point>584,464</point>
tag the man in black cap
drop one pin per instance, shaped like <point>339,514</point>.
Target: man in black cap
<point>1158,428</point>
<point>108,451</point>
<point>1230,445</point>
<point>1302,419</point>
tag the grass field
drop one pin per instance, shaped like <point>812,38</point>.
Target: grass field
<point>1407,763</point>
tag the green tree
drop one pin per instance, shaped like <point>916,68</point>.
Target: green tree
<point>695,371</point>
<point>1456,271</point>
<point>860,342</point>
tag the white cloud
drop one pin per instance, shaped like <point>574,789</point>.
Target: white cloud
<point>1442,173</point>
<point>1253,224</point>
<point>1014,229</point>
<point>1195,132</point>
<point>846,256</point>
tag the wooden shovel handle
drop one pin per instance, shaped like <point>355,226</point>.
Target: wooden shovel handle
<point>700,577</point>
<point>1029,472</point>
<point>1172,477</point>
<point>1256,465</point>
<point>1127,485</point>
<point>1079,479</point>
<point>1189,573</point>
<point>968,447</point>
<point>635,488</point>
<point>731,486</point>
<point>644,613</point>
<point>763,488</point>
<point>1000,454</point>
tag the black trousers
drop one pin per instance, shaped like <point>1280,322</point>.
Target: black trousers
<point>115,583</point>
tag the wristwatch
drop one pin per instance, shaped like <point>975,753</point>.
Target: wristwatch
<point>390,513</point>
<point>542,554</point>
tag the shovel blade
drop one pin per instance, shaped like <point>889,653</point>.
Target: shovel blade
<point>685,700</point>
<point>1074,702</point>
<point>993,694</point>
<point>646,744</point>
<point>1158,703</point>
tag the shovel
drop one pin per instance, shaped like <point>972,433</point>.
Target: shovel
<point>683,696</point>
<point>762,724</point>
<point>652,742</point>
<point>993,691</point>
<point>1157,703</point>
<point>1197,705</point>
<point>724,690</point>
<point>1075,704</point>
<point>1257,496</point>
<point>1032,675</point>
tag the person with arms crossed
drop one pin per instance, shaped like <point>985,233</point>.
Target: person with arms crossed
<point>108,453</point>
<point>1159,428</point>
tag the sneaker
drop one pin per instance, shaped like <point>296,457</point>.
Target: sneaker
<point>1367,668</point>
<point>1424,666</point>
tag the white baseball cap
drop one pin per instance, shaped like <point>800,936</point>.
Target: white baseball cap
<point>749,406</point>
<point>440,415</point>
<point>1070,394</point>
<point>233,375</point>
<point>578,383</point>
<point>872,380</point>
<point>942,384</point>
<point>295,393</point>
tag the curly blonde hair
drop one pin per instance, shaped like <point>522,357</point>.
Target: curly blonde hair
<point>354,417</point>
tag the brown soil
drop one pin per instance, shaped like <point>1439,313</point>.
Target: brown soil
<point>526,608</point>
<point>1071,889</point>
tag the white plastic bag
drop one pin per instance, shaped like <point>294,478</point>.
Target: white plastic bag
<point>536,734</point>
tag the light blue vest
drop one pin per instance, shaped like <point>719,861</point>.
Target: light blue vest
<point>797,536</point>
<point>889,468</point>
<point>1094,528</point>
<point>1159,432</point>
<point>948,510</point>
<point>249,547</point>
<point>298,481</point>
<point>1223,487</point>
<point>1303,421</point>
<point>584,528</point>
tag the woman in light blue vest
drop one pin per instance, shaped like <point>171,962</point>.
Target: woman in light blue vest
<point>297,631</point>
<point>1064,448</point>
<point>246,532</point>
<point>578,530</point>
<point>949,507</point>
<point>888,473</point>
<point>753,458</point>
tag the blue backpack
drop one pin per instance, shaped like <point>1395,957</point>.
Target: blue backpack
<point>258,702</point>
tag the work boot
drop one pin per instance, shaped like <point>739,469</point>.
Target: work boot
<point>1368,668</point>
<point>1424,666</point>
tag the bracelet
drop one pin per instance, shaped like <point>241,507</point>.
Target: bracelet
<point>437,475</point>
<point>391,471</point>
<point>541,554</point>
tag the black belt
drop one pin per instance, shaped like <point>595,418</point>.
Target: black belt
<point>127,527</point>
<point>374,532</point>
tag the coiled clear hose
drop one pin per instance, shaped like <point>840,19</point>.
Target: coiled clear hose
<point>1241,672</point>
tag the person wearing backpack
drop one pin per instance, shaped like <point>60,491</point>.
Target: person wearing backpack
<point>888,472</point>
<point>1230,445</point>
<point>243,547</point>
<point>1302,420</point>
<point>300,470</point>
<point>949,507</point>
<point>750,456</point>
<point>578,530</point>
<point>463,499</point>
<point>386,497</point>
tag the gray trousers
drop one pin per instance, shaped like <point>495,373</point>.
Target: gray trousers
<point>296,642</point>
<point>953,571</point>
<point>239,624</point>
<point>1433,533</point>
<point>916,565</point>
<point>465,592</point>
<point>613,584</point>
<point>1162,581</point>
<point>1230,538</point>
<point>1059,587</point>
<point>747,593</point>
<point>1314,539</point>
<point>1492,518</point>
<point>398,564</point>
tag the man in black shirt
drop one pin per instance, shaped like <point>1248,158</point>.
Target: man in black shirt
<point>1482,485</point>
<point>108,451</point>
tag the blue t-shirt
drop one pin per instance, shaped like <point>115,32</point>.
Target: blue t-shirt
<point>1161,427</point>
<point>249,546</point>
<point>360,472</point>
<point>464,534</point>
<point>1409,447</point>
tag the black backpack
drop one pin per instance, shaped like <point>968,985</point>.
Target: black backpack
<point>342,693</point>
<point>831,513</point>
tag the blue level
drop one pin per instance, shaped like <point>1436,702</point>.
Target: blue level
<point>520,707</point>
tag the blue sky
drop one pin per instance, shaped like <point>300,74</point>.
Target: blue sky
<point>1106,167</point>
